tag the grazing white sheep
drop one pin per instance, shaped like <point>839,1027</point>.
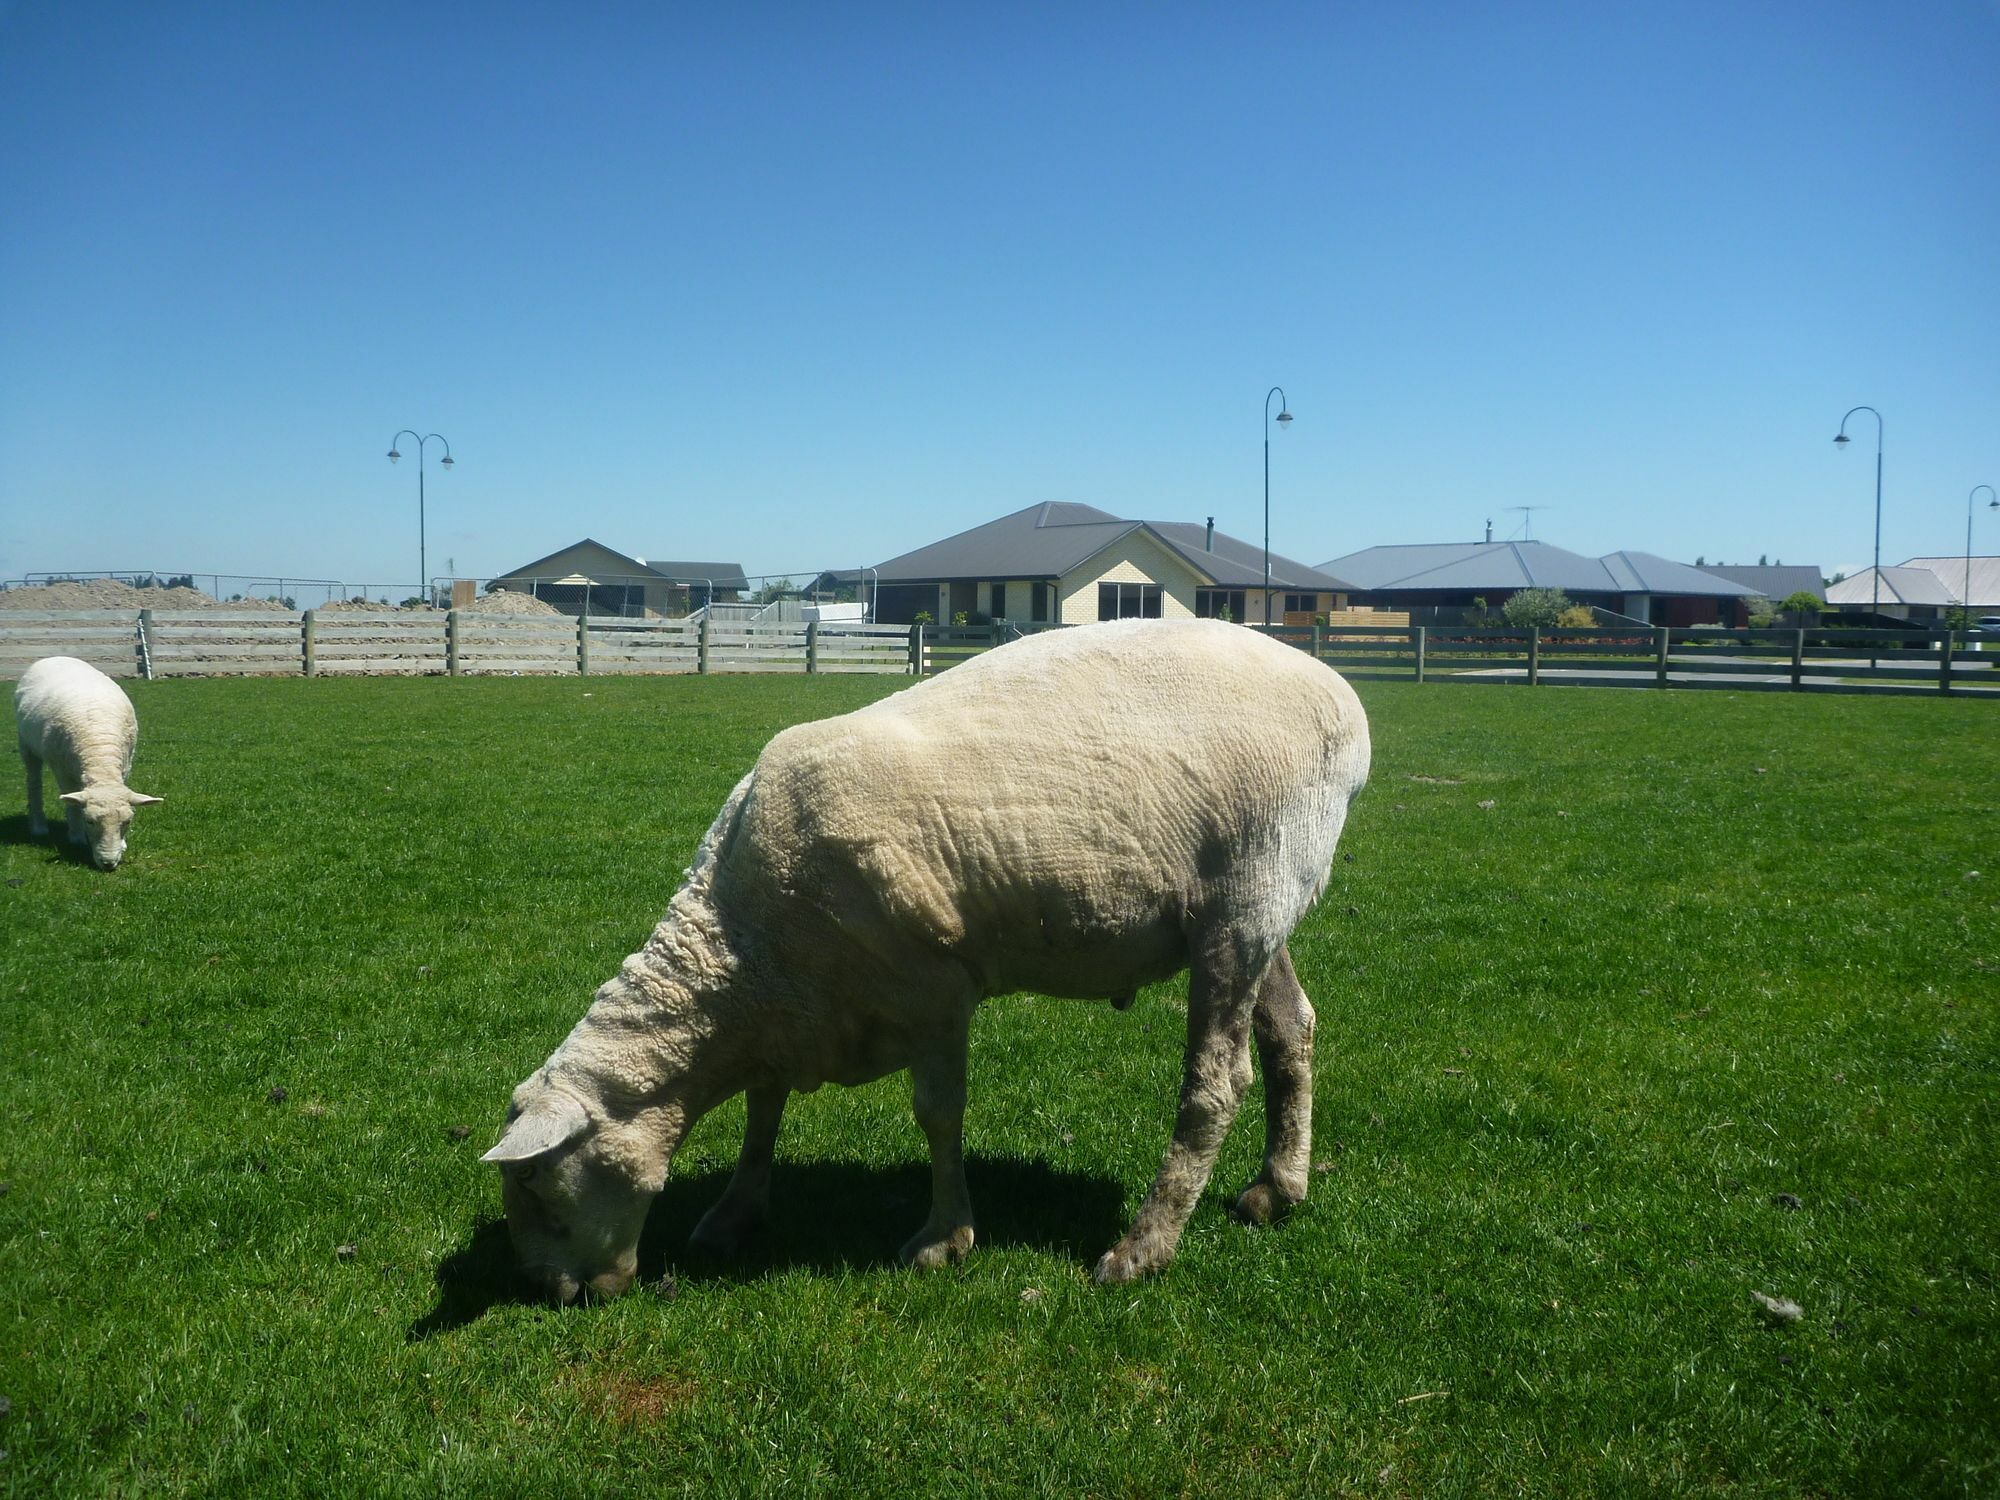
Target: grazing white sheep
<point>1079,813</point>
<point>79,723</point>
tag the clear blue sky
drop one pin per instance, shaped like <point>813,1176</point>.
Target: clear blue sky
<point>807,286</point>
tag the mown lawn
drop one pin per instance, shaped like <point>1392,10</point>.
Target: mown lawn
<point>1631,1004</point>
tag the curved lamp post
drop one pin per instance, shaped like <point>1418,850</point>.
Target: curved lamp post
<point>1283,418</point>
<point>1965,578</point>
<point>1875,605</point>
<point>423,569</point>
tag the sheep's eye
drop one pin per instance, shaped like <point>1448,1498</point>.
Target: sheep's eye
<point>524,1171</point>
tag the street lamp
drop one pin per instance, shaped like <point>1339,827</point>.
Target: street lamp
<point>423,569</point>
<point>1284,418</point>
<point>1965,579</point>
<point>1875,605</point>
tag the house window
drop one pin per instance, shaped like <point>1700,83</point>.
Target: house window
<point>999,601</point>
<point>1301,604</point>
<point>1039,595</point>
<point>1218,604</point>
<point>1128,601</point>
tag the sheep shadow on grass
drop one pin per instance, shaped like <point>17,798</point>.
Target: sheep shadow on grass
<point>825,1216</point>
<point>55,843</point>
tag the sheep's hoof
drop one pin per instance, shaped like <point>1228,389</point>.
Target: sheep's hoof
<point>1261,1203</point>
<point>724,1231</point>
<point>1130,1259</point>
<point>928,1251</point>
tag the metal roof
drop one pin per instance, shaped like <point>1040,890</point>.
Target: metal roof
<point>1457,567</point>
<point>724,575</point>
<point>1777,581</point>
<point>1985,576</point>
<point>1050,539</point>
<point>1904,585</point>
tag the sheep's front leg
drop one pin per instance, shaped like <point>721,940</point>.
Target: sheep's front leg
<point>1284,1026</point>
<point>1215,1071</point>
<point>938,1099</point>
<point>725,1228</point>
<point>31,764</point>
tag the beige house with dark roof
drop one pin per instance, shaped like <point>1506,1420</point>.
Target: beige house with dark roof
<point>1059,562</point>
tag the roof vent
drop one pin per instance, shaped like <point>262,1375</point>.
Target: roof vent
<point>1489,528</point>
<point>1208,542</point>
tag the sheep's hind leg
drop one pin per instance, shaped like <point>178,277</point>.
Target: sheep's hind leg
<point>738,1213</point>
<point>1284,1027</point>
<point>31,764</point>
<point>1215,1072</point>
<point>938,1100</point>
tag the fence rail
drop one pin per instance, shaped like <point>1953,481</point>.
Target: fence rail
<point>347,642</point>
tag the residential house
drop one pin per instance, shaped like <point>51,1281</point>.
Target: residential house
<point>590,574</point>
<point>1977,587</point>
<point>1447,580</point>
<point>1069,563</point>
<point>1776,582</point>
<point>1905,593</point>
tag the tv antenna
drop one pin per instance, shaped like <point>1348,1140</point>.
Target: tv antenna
<point>1528,517</point>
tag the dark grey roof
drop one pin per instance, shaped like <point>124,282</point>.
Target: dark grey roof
<point>527,570</point>
<point>724,575</point>
<point>1779,581</point>
<point>1233,563</point>
<point>1459,566</point>
<point>1050,539</point>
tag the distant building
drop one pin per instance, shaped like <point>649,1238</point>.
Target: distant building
<point>610,583</point>
<point>1977,589</point>
<point>1446,580</point>
<point>1779,581</point>
<point>1906,593</point>
<point>1068,563</point>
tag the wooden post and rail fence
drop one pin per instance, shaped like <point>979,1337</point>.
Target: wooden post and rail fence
<point>153,643</point>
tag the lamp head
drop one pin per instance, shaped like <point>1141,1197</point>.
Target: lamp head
<point>1284,417</point>
<point>447,460</point>
<point>1840,441</point>
<point>394,455</point>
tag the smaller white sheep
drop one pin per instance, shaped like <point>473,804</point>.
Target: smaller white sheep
<point>79,723</point>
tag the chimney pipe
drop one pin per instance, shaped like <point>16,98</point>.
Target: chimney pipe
<point>1489,528</point>
<point>1208,543</point>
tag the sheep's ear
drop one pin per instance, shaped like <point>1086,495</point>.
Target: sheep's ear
<point>553,1120</point>
<point>140,799</point>
<point>76,797</point>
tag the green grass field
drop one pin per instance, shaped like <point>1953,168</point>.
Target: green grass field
<point>1703,1003</point>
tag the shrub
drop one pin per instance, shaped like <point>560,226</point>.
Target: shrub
<point>1541,607</point>
<point>1577,617</point>
<point>1803,606</point>
<point>923,617</point>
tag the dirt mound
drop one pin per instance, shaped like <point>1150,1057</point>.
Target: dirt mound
<point>507,602</point>
<point>113,593</point>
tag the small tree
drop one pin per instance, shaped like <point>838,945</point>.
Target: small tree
<point>1804,606</point>
<point>1528,607</point>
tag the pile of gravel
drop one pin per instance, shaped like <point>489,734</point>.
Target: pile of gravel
<point>507,602</point>
<point>113,593</point>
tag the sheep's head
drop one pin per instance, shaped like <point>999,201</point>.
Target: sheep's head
<point>576,1191</point>
<point>107,813</point>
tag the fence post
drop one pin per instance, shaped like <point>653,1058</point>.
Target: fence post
<point>1944,661</point>
<point>701,647</point>
<point>1319,639</point>
<point>1534,655</point>
<point>1418,636</point>
<point>1798,658</point>
<point>306,634</point>
<point>451,642</point>
<point>145,645</point>
<point>1661,638</point>
<point>812,647</point>
<point>582,642</point>
<point>917,649</point>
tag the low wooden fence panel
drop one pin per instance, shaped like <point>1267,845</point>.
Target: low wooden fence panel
<point>106,638</point>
